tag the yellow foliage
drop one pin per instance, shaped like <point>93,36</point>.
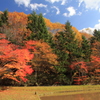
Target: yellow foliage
<point>78,35</point>
<point>45,52</point>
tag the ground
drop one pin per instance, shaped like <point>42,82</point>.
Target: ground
<point>34,93</point>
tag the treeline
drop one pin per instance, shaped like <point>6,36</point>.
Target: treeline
<point>59,59</point>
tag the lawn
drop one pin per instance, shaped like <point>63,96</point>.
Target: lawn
<point>34,93</point>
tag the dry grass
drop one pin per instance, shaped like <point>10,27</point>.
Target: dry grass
<point>33,93</point>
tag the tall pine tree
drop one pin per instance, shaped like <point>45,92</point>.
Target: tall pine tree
<point>33,25</point>
<point>38,27</point>
<point>3,19</point>
<point>66,47</point>
<point>96,36</point>
<point>42,29</point>
<point>86,49</point>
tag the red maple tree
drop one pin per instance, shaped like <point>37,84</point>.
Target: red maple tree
<point>13,60</point>
<point>80,70</point>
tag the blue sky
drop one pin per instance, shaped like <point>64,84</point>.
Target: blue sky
<point>81,13</point>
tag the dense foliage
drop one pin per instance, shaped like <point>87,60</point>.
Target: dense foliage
<point>13,60</point>
<point>34,51</point>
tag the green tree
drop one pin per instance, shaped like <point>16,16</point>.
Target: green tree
<point>86,49</point>
<point>42,32</point>
<point>38,27</point>
<point>66,48</point>
<point>3,18</point>
<point>33,25</point>
<point>96,36</point>
<point>1,22</point>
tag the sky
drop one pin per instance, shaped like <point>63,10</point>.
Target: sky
<point>81,13</point>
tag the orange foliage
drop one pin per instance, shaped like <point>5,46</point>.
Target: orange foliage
<point>80,70</point>
<point>54,26</point>
<point>2,36</point>
<point>94,69</point>
<point>96,48</point>
<point>78,35</point>
<point>43,51</point>
<point>16,30</point>
<point>1,12</point>
<point>88,36</point>
<point>60,27</point>
<point>95,62</point>
<point>13,61</point>
<point>81,65</point>
<point>46,52</point>
<point>44,58</point>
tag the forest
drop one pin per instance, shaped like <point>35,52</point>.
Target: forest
<point>36,52</point>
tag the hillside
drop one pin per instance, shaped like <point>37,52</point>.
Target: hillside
<point>35,46</point>
<point>54,27</point>
<point>1,12</point>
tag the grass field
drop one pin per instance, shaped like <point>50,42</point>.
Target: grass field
<point>34,93</point>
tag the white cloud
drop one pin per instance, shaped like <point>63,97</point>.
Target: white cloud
<point>28,4</point>
<point>58,11</point>
<point>23,2</point>
<point>72,12</point>
<point>91,30</point>
<point>87,30</point>
<point>80,13</point>
<point>90,4</point>
<point>99,20</point>
<point>35,6</point>
<point>63,2</point>
<point>80,2</point>
<point>97,26</point>
<point>44,14</point>
<point>65,14</point>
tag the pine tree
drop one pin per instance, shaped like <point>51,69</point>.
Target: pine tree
<point>86,49</point>
<point>96,36</point>
<point>38,27</point>
<point>1,22</point>
<point>42,32</point>
<point>71,43</point>
<point>66,48</point>
<point>3,18</point>
<point>33,25</point>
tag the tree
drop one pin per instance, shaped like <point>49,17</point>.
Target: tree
<point>96,49</point>
<point>86,49</point>
<point>86,72</point>
<point>16,30</point>
<point>94,70</point>
<point>43,64</point>
<point>3,18</point>
<point>33,25</point>
<point>54,27</point>
<point>13,61</point>
<point>79,70</point>
<point>38,27</point>
<point>67,50</point>
<point>43,32</point>
<point>96,36</point>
